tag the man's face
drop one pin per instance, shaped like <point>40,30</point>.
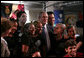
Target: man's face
<point>44,18</point>
<point>71,51</point>
<point>51,19</point>
<point>23,18</point>
<point>71,32</point>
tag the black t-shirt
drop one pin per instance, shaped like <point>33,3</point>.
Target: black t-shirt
<point>29,41</point>
<point>12,42</point>
<point>58,46</point>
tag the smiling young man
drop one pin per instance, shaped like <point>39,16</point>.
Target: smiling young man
<point>70,48</point>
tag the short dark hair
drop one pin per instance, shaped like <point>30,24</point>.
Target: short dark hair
<point>50,12</point>
<point>20,13</point>
<point>70,42</point>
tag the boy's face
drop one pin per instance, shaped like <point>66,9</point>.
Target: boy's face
<point>71,50</point>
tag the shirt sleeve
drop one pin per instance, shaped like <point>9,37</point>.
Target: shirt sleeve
<point>4,50</point>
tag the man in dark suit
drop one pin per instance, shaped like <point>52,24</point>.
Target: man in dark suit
<point>43,17</point>
<point>51,20</point>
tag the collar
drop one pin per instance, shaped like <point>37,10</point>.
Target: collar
<point>3,40</point>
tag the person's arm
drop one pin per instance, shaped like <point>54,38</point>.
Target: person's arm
<point>79,45</point>
<point>25,49</point>
<point>2,50</point>
<point>7,52</point>
<point>36,54</point>
<point>79,42</point>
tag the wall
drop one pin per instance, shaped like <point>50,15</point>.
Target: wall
<point>33,14</point>
<point>74,10</point>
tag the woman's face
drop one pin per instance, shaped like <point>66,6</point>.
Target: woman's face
<point>32,29</point>
<point>23,18</point>
<point>57,29</point>
<point>13,29</point>
<point>71,32</point>
<point>39,28</point>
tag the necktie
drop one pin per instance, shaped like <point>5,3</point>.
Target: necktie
<point>46,37</point>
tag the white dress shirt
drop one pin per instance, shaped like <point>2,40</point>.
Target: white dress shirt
<point>47,37</point>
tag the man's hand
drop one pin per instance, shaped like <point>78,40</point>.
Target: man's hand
<point>36,54</point>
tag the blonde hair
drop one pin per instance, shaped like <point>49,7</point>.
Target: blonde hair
<point>60,25</point>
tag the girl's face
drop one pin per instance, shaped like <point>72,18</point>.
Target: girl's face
<point>13,29</point>
<point>71,51</point>
<point>32,29</point>
<point>23,18</point>
<point>39,28</point>
<point>71,32</point>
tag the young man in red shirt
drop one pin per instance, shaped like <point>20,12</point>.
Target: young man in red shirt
<point>70,48</point>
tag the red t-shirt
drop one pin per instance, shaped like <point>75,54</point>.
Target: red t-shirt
<point>78,55</point>
<point>66,56</point>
